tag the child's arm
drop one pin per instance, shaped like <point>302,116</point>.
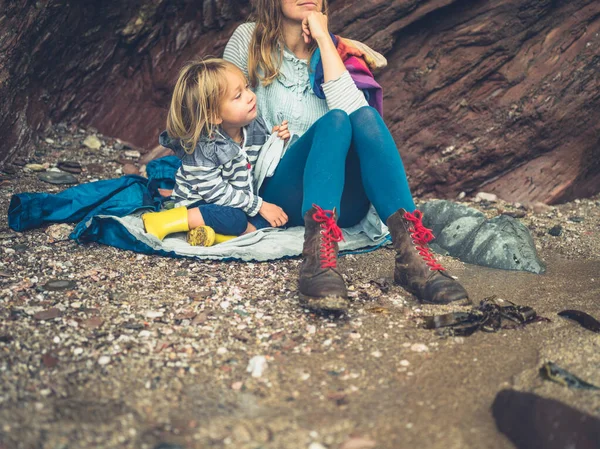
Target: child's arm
<point>282,130</point>
<point>209,183</point>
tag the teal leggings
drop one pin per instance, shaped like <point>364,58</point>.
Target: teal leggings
<point>342,161</point>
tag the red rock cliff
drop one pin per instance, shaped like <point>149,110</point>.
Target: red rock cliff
<point>497,95</point>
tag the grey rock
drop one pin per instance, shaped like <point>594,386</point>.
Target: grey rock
<point>455,233</point>
<point>438,213</point>
<point>501,242</point>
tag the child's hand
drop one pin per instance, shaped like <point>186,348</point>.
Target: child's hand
<point>273,214</point>
<point>282,130</point>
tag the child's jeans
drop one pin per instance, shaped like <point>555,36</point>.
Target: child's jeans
<point>228,220</point>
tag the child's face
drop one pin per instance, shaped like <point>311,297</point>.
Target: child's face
<point>238,107</point>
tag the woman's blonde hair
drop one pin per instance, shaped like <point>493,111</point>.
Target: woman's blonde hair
<point>197,96</point>
<point>266,47</point>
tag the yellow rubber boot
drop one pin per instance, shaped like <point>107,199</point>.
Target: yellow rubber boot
<point>220,238</point>
<point>206,236</point>
<point>161,224</point>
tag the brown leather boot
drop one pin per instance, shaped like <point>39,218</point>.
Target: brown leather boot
<point>416,269</point>
<point>321,285</point>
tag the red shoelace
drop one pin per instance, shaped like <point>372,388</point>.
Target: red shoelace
<point>331,233</point>
<point>421,236</point>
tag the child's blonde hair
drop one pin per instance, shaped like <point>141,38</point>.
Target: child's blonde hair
<point>196,100</point>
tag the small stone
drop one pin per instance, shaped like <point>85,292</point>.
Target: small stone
<point>237,386</point>
<point>59,232</point>
<point>461,196</point>
<point>154,314</point>
<point>376,354</point>
<point>93,323</point>
<point>92,142</point>
<point>483,196</point>
<point>57,178</point>
<point>77,351</point>
<point>35,167</point>
<point>104,360</point>
<point>59,284</point>
<point>515,213</point>
<point>167,446</point>
<point>49,360</point>
<point>419,347</point>
<point>130,169</point>
<point>556,230</point>
<point>70,166</point>
<point>404,362</point>
<point>576,219</point>
<point>132,154</point>
<point>257,365</point>
<point>49,314</point>
<point>222,351</point>
<point>358,443</point>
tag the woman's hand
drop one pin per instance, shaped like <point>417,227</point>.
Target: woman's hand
<point>282,130</point>
<point>314,26</point>
<point>273,214</point>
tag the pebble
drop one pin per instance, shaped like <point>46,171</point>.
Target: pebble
<point>130,169</point>
<point>404,362</point>
<point>376,354</point>
<point>257,366</point>
<point>49,314</point>
<point>70,166</point>
<point>483,196</point>
<point>104,360</point>
<point>419,347</point>
<point>358,443</point>
<point>92,142</point>
<point>35,167</point>
<point>57,178</point>
<point>132,154</point>
<point>556,231</point>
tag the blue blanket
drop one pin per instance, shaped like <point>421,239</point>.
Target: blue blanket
<point>109,212</point>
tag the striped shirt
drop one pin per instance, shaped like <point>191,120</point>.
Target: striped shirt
<point>290,97</point>
<point>219,171</point>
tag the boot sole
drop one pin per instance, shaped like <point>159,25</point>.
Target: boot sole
<point>202,236</point>
<point>324,304</point>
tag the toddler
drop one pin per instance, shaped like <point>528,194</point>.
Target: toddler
<point>214,127</point>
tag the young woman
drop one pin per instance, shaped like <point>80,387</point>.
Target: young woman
<point>344,160</point>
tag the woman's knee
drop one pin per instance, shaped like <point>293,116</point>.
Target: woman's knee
<point>338,119</point>
<point>364,114</point>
